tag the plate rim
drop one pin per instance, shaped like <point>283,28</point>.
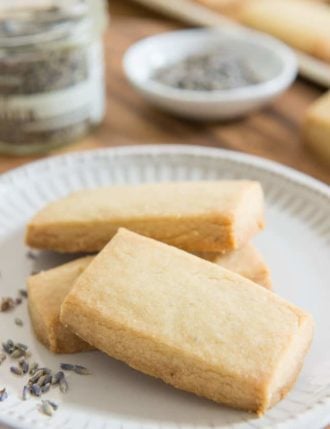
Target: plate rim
<point>322,407</point>
<point>180,149</point>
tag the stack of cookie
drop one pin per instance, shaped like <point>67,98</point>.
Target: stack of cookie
<point>174,290</point>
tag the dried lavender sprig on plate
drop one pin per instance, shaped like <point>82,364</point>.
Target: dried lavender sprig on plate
<point>48,407</point>
<point>64,387</point>
<point>23,293</point>
<point>41,372</point>
<point>8,346</point>
<point>3,394</point>
<point>7,304</point>
<point>57,377</point>
<point>33,368</point>
<point>81,370</point>
<point>24,364</point>
<point>26,390</point>
<point>52,403</point>
<point>78,369</point>
<point>35,390</point>
<point>21,346</point>
<point>45,388</point>
<point>31,255</point>
<point>67,366</point>
<point>15,350</point>
<point>45,370</point>
<point>17,353</point>
<point>18,321</point>
<point>16,370</point>
<point>44,379</point>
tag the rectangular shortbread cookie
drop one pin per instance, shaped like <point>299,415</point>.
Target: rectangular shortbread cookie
<point>46,292</point>
<point>205,216</point>
<point>189,322</point>
<point>48,289</point>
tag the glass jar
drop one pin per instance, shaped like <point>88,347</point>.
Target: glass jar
<point>52,88</point>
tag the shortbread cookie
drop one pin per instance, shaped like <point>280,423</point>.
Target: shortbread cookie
<point>196,216</point>
<point>48,289</point>
<point>46,292</point>
<point>316,128</point>
<point>189,322</point>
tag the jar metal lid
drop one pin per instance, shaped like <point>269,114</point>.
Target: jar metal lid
<point>30,26</point>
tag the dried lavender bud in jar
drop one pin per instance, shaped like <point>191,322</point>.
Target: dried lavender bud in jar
<point>47,57</point>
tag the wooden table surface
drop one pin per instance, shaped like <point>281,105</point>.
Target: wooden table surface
<point>272,133</point>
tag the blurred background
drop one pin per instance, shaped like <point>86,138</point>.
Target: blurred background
<point>255,80</point>
<point>56,95</point>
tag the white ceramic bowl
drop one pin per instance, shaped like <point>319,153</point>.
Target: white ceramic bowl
<point>273,61</point>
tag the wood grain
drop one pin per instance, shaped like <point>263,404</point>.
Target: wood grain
<point>271,133</point>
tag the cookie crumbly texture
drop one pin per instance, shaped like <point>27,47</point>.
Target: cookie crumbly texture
<point>205,216</point>
<point>246,261</point>
<point>316,128</point>
<point>189,322</point>
<point>48,289</point>
<point>302,24</point>
<point>46,292</point>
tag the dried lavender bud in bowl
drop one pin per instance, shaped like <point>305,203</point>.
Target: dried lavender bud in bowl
<point>210,73</point>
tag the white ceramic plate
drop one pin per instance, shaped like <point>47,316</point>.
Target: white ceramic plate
<point>295,243</point>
